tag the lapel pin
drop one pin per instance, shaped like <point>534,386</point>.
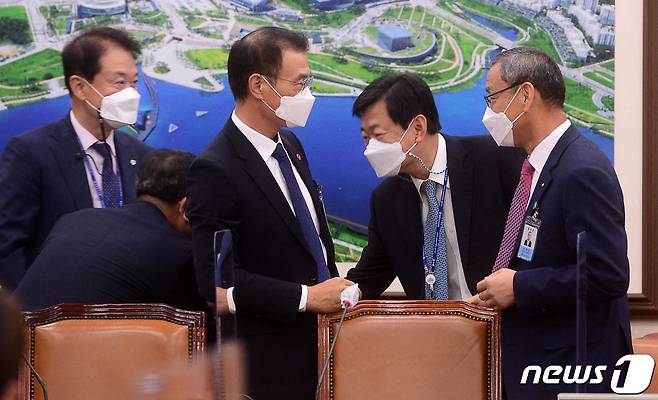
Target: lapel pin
<point>133,162</point>
<point>299,157</point>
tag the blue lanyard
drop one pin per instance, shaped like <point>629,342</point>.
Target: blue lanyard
<point>99,192</point>
<point>438,226</point>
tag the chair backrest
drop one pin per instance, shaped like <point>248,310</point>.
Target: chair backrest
<point>648,345</point>
<point>412,350</point>
<point>100,351</point>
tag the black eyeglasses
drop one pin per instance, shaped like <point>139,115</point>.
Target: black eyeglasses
<point>487,98</point>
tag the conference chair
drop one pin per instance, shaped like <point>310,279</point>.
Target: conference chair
<point>108,351</point>
<point>411,350</point>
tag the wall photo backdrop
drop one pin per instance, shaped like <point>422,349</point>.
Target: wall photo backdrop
<point>186,98</point>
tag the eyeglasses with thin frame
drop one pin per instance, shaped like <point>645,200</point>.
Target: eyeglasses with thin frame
<point>304,83</point>
<point>487,98</point>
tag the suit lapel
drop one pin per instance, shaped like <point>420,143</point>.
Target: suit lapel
<point>314,190</point>
<point>256,168</point>
<point>303,171</point>
<point>409,220</point>
<point>126,158</point>
<point>546,175</point>
<point>407,209</point>
<point>544,181</point>
<point>70,160</point>
<point>460,173</point>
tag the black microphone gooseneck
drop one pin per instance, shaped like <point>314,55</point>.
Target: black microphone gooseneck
<point>38,377</point>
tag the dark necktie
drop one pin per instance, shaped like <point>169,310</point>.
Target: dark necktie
<point>111,184</point>
<point>302,213</point>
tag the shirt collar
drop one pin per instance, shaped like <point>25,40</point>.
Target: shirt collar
<point>87,139</point>
<point>540,154</point>
<point>440,164</point>
<point>264,145</point>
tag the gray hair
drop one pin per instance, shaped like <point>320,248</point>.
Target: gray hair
<point>525,64</point>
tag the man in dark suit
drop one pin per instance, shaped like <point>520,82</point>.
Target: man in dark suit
<point>566,186</point>
<point>77,162</point>
<point>139,253</point>
<point>254,179</point>
<point>398,112</point>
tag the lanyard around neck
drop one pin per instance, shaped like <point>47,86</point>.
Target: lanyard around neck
<point>439,224</point>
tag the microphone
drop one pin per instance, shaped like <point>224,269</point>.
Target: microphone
<point>38,378</point>
<point>348,299</point>
<point>79,156</point>
<point>224,278</point>
<point>349,296</point>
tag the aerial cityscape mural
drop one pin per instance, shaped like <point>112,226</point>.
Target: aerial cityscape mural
<point>186,98</point>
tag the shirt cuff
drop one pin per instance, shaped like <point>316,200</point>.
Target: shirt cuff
<point>303,299</point>
<point>229,299</point>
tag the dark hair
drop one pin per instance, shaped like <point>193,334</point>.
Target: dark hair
<point>163,174</point>
<point>11,339</point>
<point>526,64</point>
<point>405,95</point>
<point>82,55</point>
<point>261,51</point>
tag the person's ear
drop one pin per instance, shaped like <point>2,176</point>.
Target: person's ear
<point>182,208</point>
<point>419,127</point>
<point>78,87</point>
<point>255,84</point>
<point>528,92</point>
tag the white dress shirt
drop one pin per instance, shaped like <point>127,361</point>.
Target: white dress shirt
<point>87,139</point>
<point>265,147</point>
<point>540,154</point>
<point>457,286</point>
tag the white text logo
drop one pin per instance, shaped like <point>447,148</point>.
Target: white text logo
<point>632,374</point>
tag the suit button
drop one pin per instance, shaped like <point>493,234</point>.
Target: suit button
<point>313,279</point>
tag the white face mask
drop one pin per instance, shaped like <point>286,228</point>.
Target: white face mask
<point>293,109</point>
<point>120,108</point>
<point>386,158</point>
<point>499,126</point>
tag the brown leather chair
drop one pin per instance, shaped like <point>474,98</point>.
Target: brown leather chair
<point>412,350</point>
<point>648,345</point>
<point>105,351</point>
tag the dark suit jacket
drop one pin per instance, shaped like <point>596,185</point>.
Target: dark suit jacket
<point>115,255</point>
<point>41,179</point>
<point>230,187</point>
<point>483,178</point>
<point>577,191</point>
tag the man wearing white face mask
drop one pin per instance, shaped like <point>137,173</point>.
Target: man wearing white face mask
<point>566,186</point>
<point>254,179</point>
<point>436,221</point>
<point>79,161</point>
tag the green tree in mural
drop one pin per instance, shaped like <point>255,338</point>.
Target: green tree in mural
<point>15,30</point>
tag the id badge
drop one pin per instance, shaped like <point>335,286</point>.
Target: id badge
<point>529,238</point>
